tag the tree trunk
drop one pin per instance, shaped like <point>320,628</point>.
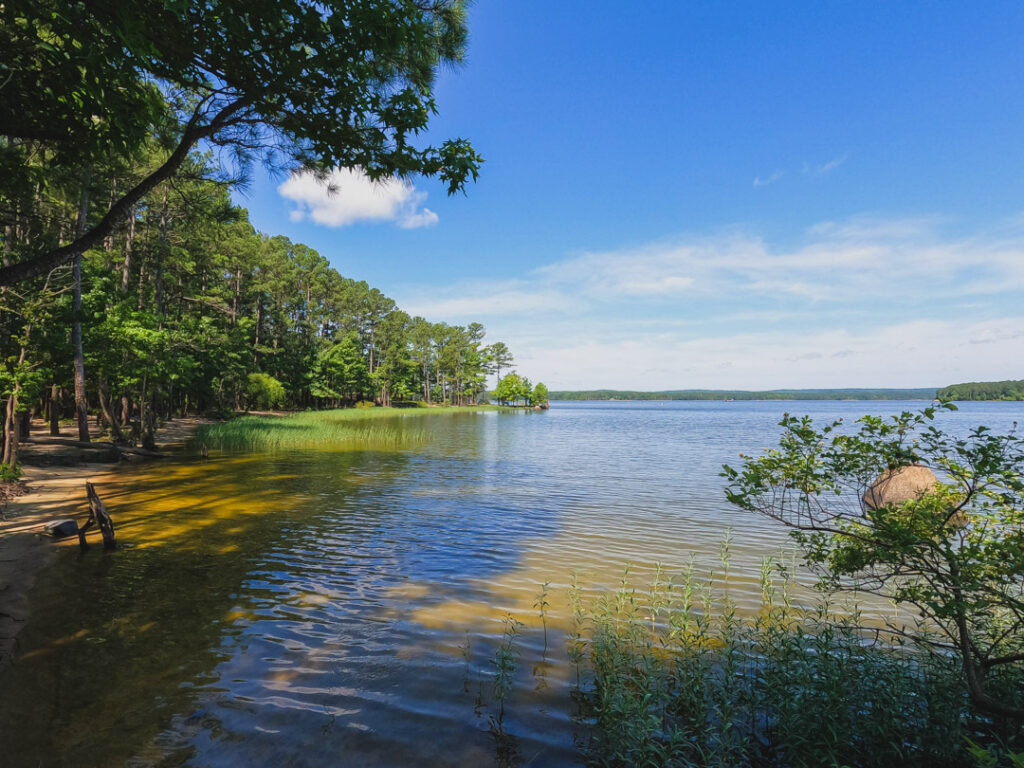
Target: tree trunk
<point>160,251</point>
<point>54,409</point>
<point>259,322</point>
<point>129,243</point>
<point>10,446</point>
<point>108,417</point>
<point>126,411</point>
<point>81,404</point>
<point>238,293</point>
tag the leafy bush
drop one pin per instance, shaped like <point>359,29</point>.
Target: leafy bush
<point>9,474</point>
<point>950,543</point>
<point>264,391</point>
<point>668,673</point>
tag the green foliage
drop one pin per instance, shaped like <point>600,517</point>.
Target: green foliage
<point>345,85</point>
<point>512,389</point>
<point>539,395</point>
<point>954,551</point>
<point>668,673</point>
<point>983,390</point>
<point>9,474</point>
<point>264,391</point>
<point>369,427</point>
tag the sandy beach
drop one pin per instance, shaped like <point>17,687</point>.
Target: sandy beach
<point>53,493</point>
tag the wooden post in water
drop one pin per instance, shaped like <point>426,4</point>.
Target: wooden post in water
<point>97,514</point>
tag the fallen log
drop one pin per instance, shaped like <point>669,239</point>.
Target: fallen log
<point>99,446</point>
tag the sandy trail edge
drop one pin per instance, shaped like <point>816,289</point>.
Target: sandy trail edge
<point>53,493</point>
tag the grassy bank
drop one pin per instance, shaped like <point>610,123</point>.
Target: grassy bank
<point>348,428</point>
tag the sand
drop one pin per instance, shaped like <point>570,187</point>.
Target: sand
<point>54,493</point>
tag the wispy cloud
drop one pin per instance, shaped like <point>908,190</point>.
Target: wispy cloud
<point>347,196</point>
<point>823,169</point>
<point>766,180</point>
<point>860,302</point>
<point>830,166</point>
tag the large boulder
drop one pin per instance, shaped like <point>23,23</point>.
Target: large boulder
<point>895,486</point>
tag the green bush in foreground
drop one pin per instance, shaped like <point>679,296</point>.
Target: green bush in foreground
<point>673,677</point>
<point>949,543</point>
<point>669,674</point>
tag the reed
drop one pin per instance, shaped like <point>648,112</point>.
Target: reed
<point>669,674</point>
<point>352,428</point>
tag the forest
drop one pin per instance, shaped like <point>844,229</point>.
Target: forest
<point>133,288</point>
<point>983,390</point>
<point>185,307</point>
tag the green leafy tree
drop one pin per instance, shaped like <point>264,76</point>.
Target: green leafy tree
<point>952,546</point>
<point>265,391</point>
<point>336,84</point>
<point>539,396</point>
<point>499,358</point>
<point>512,389</point>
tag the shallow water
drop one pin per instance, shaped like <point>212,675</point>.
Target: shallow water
<point>341,608</point>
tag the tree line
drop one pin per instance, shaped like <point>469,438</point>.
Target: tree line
<point>131,288</point>
<point>725,394</point>
<point>983,390</point>
<point>186,307</point>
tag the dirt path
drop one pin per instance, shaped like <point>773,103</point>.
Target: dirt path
<point>54,492</point>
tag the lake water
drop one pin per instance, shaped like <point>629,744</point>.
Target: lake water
<point>342,608</point>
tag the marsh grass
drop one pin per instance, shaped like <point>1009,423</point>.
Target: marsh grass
<point>668,673</point>
<point>352,428</point>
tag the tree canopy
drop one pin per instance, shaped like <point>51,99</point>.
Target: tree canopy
<point>984,390</point>
<point>295,84</point>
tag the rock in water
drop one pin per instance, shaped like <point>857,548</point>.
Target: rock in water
<point>61,529</point>
<point>895,486</point>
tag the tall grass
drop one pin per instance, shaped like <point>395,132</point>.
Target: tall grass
<point>370,428</point>
<point>670,675</point>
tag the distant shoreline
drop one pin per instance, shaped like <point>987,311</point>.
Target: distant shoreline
<point>924,394</point>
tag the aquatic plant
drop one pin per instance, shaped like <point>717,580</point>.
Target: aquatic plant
<point>369,428</point>
<point>669,673</point>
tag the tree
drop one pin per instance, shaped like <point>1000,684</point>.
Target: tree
<point>539,396</point>
<point>512,389</point>
<point>313,86</point>
<point>264,391</point>
<point>500,358</point>
<point>953,548</point>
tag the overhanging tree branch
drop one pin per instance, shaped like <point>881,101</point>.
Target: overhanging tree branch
<point>193,133</point>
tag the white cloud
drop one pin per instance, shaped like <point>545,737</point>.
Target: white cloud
<point>862,302</point>
<point>822,169</point>
<point>830,166</point>
<point>918,353</point>
<point>347,196</point>
<point>764,182</point>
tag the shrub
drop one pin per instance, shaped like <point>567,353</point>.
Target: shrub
<point>9,474</point>
<point>264,391</point>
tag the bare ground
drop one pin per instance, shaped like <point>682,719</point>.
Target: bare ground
<point>54,493</point>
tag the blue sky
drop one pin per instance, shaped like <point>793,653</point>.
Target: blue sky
<point>703,194</point>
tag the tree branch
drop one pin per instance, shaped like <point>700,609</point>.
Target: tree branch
<point>192,134</point>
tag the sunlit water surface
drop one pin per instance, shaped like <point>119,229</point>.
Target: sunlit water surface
<point>342,608</point>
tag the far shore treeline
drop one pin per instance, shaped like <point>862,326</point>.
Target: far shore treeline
<point>723,394</point>
<point>984,390</point>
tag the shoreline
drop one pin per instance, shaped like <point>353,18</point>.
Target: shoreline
<point>52,492</point>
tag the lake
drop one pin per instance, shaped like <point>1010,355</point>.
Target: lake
<point>343,608</point>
